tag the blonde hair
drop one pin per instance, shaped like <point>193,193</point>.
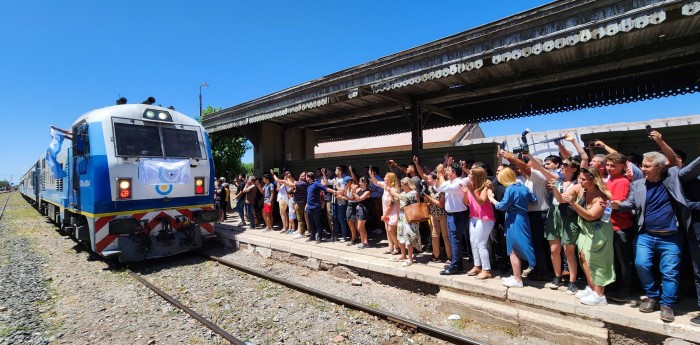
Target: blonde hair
<point>391,180</point>
<point>479,178</point>
<point>597,180</point>
<point>409,182</point>
<point>507,177</point>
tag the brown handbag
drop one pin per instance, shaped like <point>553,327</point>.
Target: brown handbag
<point>417,212</point>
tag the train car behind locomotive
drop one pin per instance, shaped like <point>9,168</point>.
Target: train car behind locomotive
<point>138,182</point>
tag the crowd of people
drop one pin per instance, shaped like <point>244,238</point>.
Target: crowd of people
<point>623,220</point>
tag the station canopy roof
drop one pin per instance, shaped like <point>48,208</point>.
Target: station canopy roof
<point>558,57</point>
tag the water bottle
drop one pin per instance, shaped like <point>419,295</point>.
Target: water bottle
<point>607,212</point>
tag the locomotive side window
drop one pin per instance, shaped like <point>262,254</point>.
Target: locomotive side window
<point>180,143</point>
<point>134,140</point>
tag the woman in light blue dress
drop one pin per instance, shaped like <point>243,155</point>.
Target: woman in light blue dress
<point>518,240</point>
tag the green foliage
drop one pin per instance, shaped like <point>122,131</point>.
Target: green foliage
<point>4,183</point>
<point>248,168</point>
<point>227,150</point>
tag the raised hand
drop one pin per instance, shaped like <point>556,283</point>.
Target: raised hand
<point>569,137</point>
<point>415,159</point>
<point>656,136</point>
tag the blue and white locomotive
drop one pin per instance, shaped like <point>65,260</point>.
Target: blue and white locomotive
<point>138,182</point>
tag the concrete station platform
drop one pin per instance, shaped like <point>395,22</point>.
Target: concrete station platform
<point>532,310</point>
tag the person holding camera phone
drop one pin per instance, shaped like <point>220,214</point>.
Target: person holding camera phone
<point>662,216</point>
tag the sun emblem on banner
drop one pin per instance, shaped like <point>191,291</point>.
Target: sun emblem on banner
<point>164,189</point>
<point>169,175</point>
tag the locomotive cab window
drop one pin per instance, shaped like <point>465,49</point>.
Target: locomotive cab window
<point>135,140</point>
<point>181,143</point>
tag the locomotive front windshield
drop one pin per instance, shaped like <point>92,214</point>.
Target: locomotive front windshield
<point>152,141</point>
<point>180,143</point>
<point>134,140</point>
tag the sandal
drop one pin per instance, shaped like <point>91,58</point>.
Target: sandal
<point>474,271</point>
<point>434,259</point>
<point>484,275</point>
<point>387,252</point>
<point>395,252</point>
<point>407,263</point>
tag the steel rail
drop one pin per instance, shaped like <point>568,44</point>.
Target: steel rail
<point>218,330</point>
<point>417,326</point>
<point>5,206</point>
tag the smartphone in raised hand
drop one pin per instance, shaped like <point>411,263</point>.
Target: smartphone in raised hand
<point>649,129</point>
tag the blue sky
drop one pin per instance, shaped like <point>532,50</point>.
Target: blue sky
<point>61,59</point>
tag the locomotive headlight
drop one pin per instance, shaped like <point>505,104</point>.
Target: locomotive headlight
<point>199,185</point>
<point>124,188</point>
<point>158,115</point>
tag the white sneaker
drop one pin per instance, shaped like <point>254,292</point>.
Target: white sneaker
<point>297,235</point>
<point>342,240</point>
<point>513,284</point>
<point>507,278</point>
<point>296,232</point>
<point>594,299</point>
<point>527,271</point>
<point>583,293</point>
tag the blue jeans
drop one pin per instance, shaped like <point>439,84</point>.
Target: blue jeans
<point>250,211</point>
<point>668,248</point>
<point>315,222</point>
<point>339,220</point>
<point>239,209</point>
<point>456,224</point>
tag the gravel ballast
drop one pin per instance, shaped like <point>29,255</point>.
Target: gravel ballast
<point>60,294</point>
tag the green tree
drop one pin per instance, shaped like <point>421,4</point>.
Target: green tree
<point>227,150</point>
<point>248,168</point>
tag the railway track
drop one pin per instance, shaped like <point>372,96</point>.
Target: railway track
<point>391,317</point>
<point>5,204</point>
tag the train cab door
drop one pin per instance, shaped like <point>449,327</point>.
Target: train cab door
<point>35,181</point>
<point>81,152</point>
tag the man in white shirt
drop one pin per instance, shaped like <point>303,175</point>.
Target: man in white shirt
<point>457,212</point>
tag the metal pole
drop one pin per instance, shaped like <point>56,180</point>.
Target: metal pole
<point>200,99</point>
